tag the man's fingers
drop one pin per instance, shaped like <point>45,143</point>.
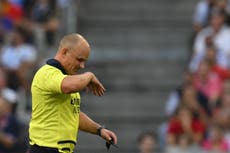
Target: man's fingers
<point>101,86</point>
<point>109,136</point>
<point>101,93</point>
<point>98,89</point>
<point>97,82</point>
<point>95,92</point>
<point>101,89</point>
<point>113,137</point>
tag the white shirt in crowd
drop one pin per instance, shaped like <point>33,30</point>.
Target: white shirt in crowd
<point>201,13</point>
<point>222,43</point>
<point>13,57</point>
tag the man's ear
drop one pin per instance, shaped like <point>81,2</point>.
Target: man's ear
<point>64,51</point>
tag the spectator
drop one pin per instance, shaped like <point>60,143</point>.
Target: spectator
<point>147,142</point>
<point>221,113</point>
<point>199,108</point>
<point>203,11</point>
<point>172,104</point>
<point>185,123</point>
<point>216,60</point>
<point>216,64</point>
<point>215,142</point>
<point>175,96</point>
<point>185,145</point>
<point>218,33</point>
<point>8,125</point>
<point>45,16</point>
<point>208,83</point>
<point>224,5</point>
<point>17,112</point>
<point>22,58</point>
<point>7,93</point>
<point>202,14</point>
<point>11,97</point>
<point>184,94</point>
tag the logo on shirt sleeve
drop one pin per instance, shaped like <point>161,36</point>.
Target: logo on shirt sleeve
<point>76,105</point>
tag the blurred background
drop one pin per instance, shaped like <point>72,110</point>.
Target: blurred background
<point>165,65</point>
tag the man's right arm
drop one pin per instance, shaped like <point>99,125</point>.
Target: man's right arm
<point>75,83</point>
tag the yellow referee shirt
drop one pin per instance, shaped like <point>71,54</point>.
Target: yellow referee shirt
<point>55,116</point>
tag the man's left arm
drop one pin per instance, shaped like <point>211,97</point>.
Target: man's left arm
<point>86,124</point>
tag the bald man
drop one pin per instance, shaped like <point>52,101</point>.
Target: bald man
<point>56,115</point>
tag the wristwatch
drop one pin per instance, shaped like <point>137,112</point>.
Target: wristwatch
<point>99,130</point>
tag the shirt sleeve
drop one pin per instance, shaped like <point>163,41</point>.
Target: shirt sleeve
<point>54,80</point>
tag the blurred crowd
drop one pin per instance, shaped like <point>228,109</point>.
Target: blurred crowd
<point>28,29</point>
<point>198,110</point>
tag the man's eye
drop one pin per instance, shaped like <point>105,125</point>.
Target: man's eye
<point>80,60</point>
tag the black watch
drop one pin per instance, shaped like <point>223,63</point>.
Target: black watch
<point>99,130</point>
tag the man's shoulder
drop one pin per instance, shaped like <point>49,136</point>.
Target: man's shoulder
<point>48,69</point>
<point>48,78</point>
<point>48,72</point>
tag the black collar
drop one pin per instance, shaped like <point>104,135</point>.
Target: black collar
<point>57,64</point>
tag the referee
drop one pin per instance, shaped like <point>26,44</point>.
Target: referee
<point>56,115</point>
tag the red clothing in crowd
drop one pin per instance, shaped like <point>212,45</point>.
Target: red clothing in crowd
<point>12,11</point>
<point>209,145</point>
<point>211,86</point>
<point>221,72</point>
<point>176,128</point>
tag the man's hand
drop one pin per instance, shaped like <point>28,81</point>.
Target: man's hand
<point>108,135</point>
<point>96,87</point>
